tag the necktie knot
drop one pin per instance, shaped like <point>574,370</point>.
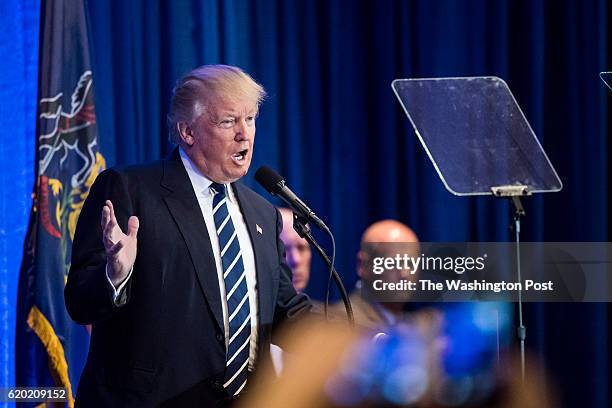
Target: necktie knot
<point>218,188</point>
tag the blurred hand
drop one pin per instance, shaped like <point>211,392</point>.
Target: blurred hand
<point>120,248</point>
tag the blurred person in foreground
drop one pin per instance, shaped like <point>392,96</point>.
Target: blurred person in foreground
<point>335,366</point>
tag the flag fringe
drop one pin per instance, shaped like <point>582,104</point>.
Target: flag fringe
<point>57,359</point>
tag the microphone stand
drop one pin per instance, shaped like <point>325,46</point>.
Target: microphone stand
<point>300,225</point>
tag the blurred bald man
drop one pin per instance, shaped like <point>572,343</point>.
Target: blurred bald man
<point>297,252</point>
<point>377,241</point>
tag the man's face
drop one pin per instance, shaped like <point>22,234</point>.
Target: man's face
<point>298,255</point>
<point>222,139</point>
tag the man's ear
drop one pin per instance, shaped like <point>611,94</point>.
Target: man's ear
<point>186,133</point>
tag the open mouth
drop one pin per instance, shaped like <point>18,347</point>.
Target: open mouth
<point>240,156</point>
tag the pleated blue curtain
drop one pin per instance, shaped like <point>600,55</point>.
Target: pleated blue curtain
<point>18,80</point>
<point>332,126</point>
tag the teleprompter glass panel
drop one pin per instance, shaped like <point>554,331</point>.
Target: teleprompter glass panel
<point>476,135</point>
<point>607,78</point>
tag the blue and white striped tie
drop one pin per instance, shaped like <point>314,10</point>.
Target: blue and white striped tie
<point>236,294</point>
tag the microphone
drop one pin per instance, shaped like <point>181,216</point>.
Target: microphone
<point>276,185</point>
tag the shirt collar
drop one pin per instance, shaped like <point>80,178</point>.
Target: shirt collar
<point>201,183</point>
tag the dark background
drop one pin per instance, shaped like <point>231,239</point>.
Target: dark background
<point>332,126</point>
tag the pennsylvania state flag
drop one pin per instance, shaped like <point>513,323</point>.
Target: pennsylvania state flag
<point>50,349</point>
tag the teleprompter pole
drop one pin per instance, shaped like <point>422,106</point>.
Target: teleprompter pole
<point>514,193</point>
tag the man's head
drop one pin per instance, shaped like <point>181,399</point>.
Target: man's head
<point>378,240</point>
<point>212,117</point>
<point>297,251</point>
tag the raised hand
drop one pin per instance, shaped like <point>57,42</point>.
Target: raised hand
<point>120,248</point>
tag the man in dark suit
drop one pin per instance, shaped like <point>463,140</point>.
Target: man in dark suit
<point>179,269</point>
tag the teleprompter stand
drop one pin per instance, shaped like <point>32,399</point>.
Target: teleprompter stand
<point>480,143</point>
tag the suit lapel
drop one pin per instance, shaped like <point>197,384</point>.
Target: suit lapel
<point>183,205</point>
<point>258,238</point>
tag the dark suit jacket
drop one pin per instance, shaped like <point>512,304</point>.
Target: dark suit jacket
<point>166,344</point>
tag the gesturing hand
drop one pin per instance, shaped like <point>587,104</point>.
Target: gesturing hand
<point>120,248</point>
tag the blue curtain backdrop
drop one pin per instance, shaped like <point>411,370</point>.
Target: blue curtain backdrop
<point>333,128</point>
<point>19,20</point>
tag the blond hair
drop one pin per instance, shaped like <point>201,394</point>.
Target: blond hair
<point>195,90</point>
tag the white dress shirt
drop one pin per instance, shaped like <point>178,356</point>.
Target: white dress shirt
<point>201,186</point>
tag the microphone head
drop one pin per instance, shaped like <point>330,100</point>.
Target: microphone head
<point>269,179</point>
